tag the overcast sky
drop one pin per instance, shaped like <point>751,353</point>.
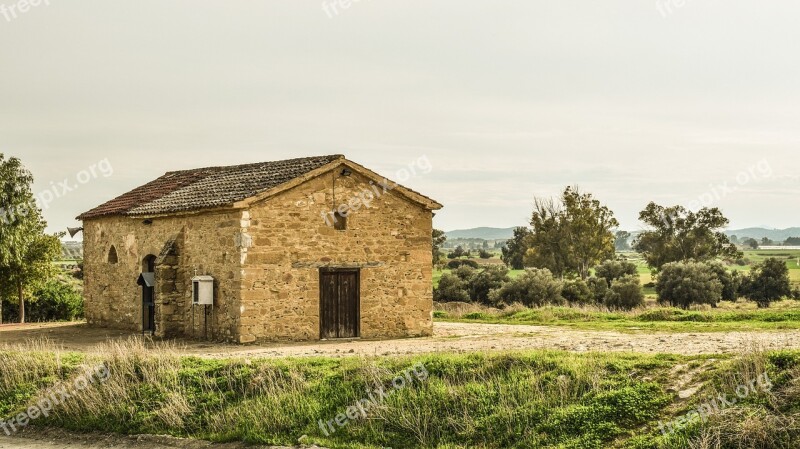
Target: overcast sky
<point>632,100</point>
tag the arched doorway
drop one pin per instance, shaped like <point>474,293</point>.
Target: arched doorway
<point>148,282</point>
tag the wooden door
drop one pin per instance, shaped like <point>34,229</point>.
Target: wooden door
<point>339,303</point>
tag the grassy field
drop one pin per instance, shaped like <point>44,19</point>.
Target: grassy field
<point>739,316</point>
<point>535,399</point>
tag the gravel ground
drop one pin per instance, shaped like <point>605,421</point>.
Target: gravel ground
<point>448,337</point>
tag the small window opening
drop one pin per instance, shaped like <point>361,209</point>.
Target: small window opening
<point>112,255</point>
<point>339,221</point>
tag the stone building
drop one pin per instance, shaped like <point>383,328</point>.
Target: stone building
<point>301,249</point>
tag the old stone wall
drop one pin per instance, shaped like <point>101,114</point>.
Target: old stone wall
<point>387,236</point>
<point>205,243</point>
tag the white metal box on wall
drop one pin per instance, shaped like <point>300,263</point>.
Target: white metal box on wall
<point>203,290</point>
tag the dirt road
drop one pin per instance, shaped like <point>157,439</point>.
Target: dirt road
<point>448,337</point>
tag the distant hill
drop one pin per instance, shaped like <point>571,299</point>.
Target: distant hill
<point>481,233</point>
<point>71,250</point>
<point>776,235</point>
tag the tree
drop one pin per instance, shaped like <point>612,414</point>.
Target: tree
<point>767,282</point>
<point>534,288</point>
<point>438,240</point>
<point>514,250</point>
<point>677,234</point>
<point>734,239</point>
<point>682,284</point>
<point>792,241</point>
<point>26,252</point>
<point>730,281</point>
<point>571,235</point>
<point>456,253</point>
<point>765,241</point>
<point>577,291</point>
<point>483,254</point>
<point>483,281</point>
<point>625,293</point>
<point>751,243</point>
<point>621,239</point>
<point>611,270</point>
<point>451,288</point>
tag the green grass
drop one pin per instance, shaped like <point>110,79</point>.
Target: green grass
<point>739,316</point>
<point>531,399</point>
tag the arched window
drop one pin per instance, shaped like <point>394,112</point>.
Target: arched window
<point>149,264</point>
<point>112,255</point>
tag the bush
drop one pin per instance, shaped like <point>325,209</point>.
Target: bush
<point>625,293</point>
<point>536,287</point>
<point>482,282</point>
<point>464,272</point>
<point>611,270</point>
<point>769,281</point>
<point>56,300</point>
<point>730,280</point>
<point>451,288</point>
<point>796,293</point>
<point>483,254</point>
<point>453,264</point>
<point>577,292</point>
<point>682,284</point>
<point>470,263</point>
<point>599,287</point>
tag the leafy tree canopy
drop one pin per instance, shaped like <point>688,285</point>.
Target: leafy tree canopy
<point>677,234</point>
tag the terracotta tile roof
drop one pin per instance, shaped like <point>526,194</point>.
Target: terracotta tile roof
<point>209,187</point>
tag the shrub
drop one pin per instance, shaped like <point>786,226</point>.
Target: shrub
<point>470,263</point>
<point>730,280</point>
<point>577,291</point>
<point>796,293</point>
<point>439,314</point>
<point>599,287</point>
<point>483,254</point>
<point>625,293</point>
<point>769,281</point>
<point>481,282</point>
<point>55,300</point>
<point>684,283</point>
<point>611,270</point>
<point>464,272</point>
<point>536,287</point>
<point>453,264</point>
<point>451,288</point>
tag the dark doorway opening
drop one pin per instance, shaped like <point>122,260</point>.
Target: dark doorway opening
<point>340,303</point>
<point>148,282</point>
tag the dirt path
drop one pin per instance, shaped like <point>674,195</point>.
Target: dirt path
<point>59,439</point>
<point>448,337</point>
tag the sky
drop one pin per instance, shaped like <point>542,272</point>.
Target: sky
<point>692,102</point>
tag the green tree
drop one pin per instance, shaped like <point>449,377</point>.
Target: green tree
<point>767,282</point>
<point>765,241</point>
<point>26,252</point>
<point>625,293</point>
<point>621,239</point>
<point>682,284</point>
<point>534,288</point>
<point>751,243</point>
<point>438,240</point>
<point>451,288</point>
<point>513,252</point>
<point>792,241</point>
<point>677,234</point>
<point>611,270</point>
<point>458,252</point>
<point>570,235</point>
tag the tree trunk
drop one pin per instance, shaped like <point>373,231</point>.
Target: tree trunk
<point>21,303</point>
